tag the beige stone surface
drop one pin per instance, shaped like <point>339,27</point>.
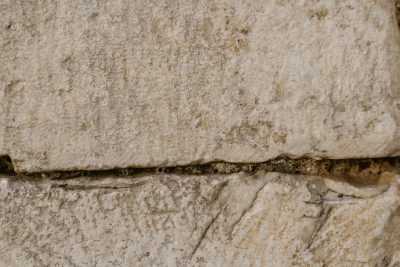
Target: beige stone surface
<point>104,84</point>
<point>169,220</point>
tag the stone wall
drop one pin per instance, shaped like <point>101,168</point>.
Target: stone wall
<point>267,219</point>
<point>199,133</point>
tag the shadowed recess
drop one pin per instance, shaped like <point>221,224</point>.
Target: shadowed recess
<point>6,166</point>
<point>365,171</point>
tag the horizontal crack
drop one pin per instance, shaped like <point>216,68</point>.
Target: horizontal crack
<point>67,186</point>
<point>365,171</point>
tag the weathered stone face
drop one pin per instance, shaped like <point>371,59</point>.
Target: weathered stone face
<point>168,220</point>
<point>104,84</point>
<point>93,85</point>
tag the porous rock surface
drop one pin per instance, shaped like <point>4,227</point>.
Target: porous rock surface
<point>92,85</point>
<point>105,84</point>
<point>218,220</point>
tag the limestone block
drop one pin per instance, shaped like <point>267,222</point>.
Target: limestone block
<point>170,220</point>
<point>104,84</point>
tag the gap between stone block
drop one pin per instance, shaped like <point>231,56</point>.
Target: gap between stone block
<point>365,171</point>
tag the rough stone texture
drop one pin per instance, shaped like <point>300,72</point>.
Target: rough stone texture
<point>103,84</point>
<point>168,220</point>
<point>93,85</point>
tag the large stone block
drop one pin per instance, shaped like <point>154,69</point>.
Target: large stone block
<point>104,84</point>
<point>169,220</point>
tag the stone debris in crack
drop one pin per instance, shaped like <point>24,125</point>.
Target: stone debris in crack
<point>362,171</point>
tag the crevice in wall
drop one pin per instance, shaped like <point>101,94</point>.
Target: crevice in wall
<point>359,171</point>
<point>6,166</point>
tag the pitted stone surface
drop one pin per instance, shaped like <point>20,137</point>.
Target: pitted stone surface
<point>105,84</point>
<point>218,220</point>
